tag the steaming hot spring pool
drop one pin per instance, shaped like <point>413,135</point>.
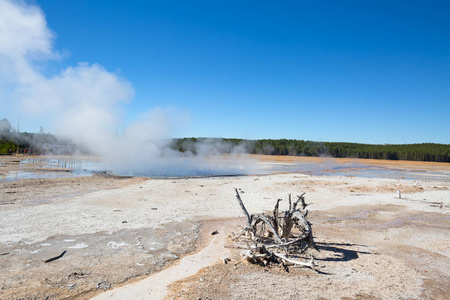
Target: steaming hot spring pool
<point>68,166</point>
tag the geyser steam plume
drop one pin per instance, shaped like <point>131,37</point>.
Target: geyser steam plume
<point>85,102</point>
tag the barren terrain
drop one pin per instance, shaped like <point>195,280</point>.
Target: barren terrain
<point>117,230</point>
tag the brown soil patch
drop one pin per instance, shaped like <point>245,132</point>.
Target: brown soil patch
<point>39,191</point>
<point>370,186</point>
<point>405,164</point>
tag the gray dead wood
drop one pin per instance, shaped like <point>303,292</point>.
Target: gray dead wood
<point>244,210</point>
<point>275,234</point>
<point>278,237</point>
<point>309,264</point>
<point>56,257</point>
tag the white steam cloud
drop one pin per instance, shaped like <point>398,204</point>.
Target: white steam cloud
<point>85,102</point>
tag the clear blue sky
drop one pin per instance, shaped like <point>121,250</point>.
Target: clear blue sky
<point>353,71</point>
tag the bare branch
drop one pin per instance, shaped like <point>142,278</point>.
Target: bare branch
<point>275,234</point>
<point>275,215</point>
<point>300,198</point>
<point>249,218</point>
<point>290,203</point>
<point>309,264</point>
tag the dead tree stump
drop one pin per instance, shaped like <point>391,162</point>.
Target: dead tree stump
<point>281,238</point>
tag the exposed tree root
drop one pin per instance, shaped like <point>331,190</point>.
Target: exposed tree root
<point>281,238</point>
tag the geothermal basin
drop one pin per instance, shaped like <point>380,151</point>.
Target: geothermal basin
<point>23,167</point>
<point>117,231</point>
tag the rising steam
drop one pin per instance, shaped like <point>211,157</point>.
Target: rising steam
<point>85,103</point>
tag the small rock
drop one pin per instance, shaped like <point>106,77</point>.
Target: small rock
<point>124,221</point>
<point>214,232</point>
<point>104,285</point>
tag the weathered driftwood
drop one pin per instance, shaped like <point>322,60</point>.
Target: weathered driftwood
<point>56,257</point>
<point>309,264</point>
<point>244,210</point>
<point>277,238</point>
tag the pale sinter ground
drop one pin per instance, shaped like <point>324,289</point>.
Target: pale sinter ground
<point>117,230</point>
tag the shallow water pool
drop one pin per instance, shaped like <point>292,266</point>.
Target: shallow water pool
<point>55,167</point>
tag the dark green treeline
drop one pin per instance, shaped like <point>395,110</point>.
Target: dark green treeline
<point>39,143</point>
<point>13,142</point>
<point>418,152</point>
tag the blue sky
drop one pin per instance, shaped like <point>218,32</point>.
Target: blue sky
<point>353,71</point>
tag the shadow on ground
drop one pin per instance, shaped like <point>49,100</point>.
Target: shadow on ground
<point>340,253</point>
